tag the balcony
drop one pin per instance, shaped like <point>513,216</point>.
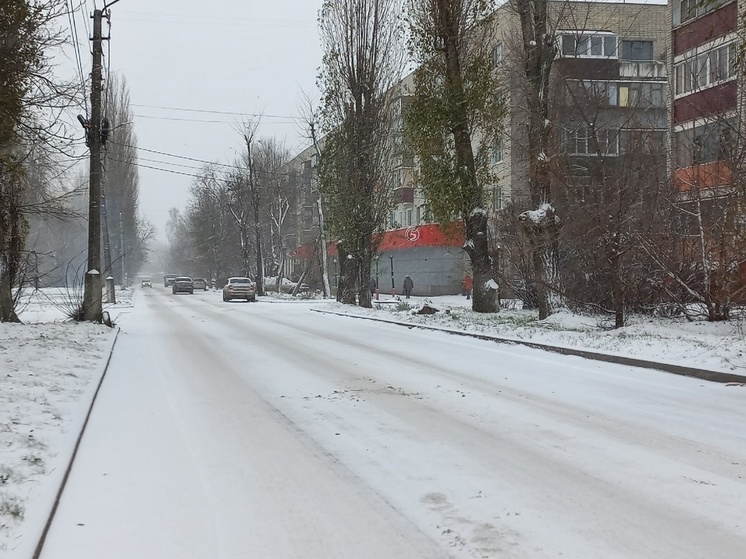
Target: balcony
<point>705,175</point>
<point>404,195</point>
<point>647,69</point>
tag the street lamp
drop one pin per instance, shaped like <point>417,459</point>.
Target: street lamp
<point>375,259</point>
<point>393,286</point>
<point>335,272</point>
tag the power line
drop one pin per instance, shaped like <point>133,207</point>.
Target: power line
<point>76,46</point>
<point>178,119</point>
<point>178,156</point>
<point>255,115</point>
<point>184,157</point>
<point>213,20</point>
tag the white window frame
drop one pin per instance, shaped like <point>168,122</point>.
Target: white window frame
<point>497,152</point>
<point>584,44</point>
<point>693,71</point>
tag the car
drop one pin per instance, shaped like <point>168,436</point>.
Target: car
<point>200,283</point>
<point>182,284</point>
<point>146,282</point>
<point>168,280</point>
<point>239,288</point>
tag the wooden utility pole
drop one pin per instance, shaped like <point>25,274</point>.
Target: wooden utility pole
<point>92,308</point>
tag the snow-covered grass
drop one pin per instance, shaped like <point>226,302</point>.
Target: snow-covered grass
<point>49,368</point>
<point>718,346</point>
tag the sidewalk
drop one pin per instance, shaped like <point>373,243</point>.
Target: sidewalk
<point>711,347</point>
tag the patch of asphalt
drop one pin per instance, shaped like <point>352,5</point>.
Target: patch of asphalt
<point>703,374</point>
<point>65,477</point>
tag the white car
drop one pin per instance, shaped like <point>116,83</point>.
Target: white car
<point>239,288</point>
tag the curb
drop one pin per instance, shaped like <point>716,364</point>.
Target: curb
<point>63,483</point>
<point>703,374</point>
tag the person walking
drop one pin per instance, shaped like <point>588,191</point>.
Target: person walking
<point>466,286</point>
<point>408,286</point>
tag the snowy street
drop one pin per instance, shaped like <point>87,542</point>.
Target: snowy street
<point>266,430</point>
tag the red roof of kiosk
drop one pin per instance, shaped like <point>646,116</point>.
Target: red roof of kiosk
<point>431,235</point>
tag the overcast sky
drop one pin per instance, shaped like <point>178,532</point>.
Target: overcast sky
<point>245,56</point>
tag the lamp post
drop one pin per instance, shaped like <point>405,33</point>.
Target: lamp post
<point>393,286</point>
<point>375,259</point>
<point>335,273</point>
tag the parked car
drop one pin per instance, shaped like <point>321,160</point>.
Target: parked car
<point>200,283</point>
<point>146,282</point>
<point>182,284</point>
<point>168,280</point>
<point>239,288</point>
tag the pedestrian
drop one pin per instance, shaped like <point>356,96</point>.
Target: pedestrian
<point>466,286</point>
<point>408,286</point>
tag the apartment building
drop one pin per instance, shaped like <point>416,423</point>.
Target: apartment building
<point>707,115</point>
<point>613,54</point>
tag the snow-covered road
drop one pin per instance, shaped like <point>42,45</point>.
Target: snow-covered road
<point>233,430</point>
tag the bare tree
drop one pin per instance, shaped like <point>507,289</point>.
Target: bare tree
<point>311,121</point>
<point>363,62</point>
<point>541,224</point>
<point>31,101</point>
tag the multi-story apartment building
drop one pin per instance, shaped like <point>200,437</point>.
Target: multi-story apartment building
<point>707,108</point>
<point>612,53</point>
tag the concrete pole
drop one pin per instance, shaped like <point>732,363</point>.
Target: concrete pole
<point>92,307</point>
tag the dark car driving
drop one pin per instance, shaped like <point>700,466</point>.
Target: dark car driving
<point>182,285</point>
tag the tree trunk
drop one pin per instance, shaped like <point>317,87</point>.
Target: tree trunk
<point>617,288</point>
<point>322,240</point>
<point>347,283</point>
<point>476,237</point>
<point>7,304</point>
<point>538,55</point>
<point>485,292</point>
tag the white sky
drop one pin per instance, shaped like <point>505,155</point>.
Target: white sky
<point>237,57</point>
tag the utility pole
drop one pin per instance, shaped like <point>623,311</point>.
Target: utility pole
<point>122,251</point>
<point>92,308</point>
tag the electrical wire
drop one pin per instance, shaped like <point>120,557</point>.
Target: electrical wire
<point>76,46</point>
<point>106,89</point>
<point>178,119</point>
<point>255,115</point>
<point>228,166</point>
<point>178,156</point>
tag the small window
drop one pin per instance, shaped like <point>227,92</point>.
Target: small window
<point>568,45</point>
<point>497,151</point>
<point>594,45</point>
<point>610,48</point>
<point>497,55</point>
<point>497,198</point>
<point>409,217</point>
<point>637,50</point>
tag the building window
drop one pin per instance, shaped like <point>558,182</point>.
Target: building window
<point>497,55</point>
<point>497,151</point>
<point>409,217</point>
<point>705,69</point>
<point>392,221</point>
<point>418,214</point>
<point>595,45</point>
<point>637,50</point>
<point>707,143</point>
<point>582,141</point>
<point>684,10</point>
<point>497,198</point>
<point>624,94</point>
<point>427,214</point>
